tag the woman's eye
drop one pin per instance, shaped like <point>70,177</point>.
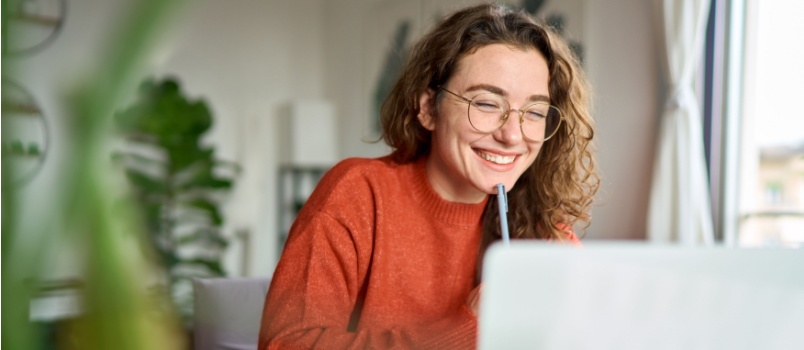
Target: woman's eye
<point>536,114</point>
<point>486,105</point>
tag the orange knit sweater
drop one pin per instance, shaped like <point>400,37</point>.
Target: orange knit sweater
<point>375,259</point>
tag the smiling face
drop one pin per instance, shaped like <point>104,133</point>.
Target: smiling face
<point>465,165</point>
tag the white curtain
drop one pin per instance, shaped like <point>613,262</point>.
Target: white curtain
<point>679,208</point>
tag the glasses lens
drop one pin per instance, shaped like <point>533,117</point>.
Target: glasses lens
<point>485,112</point>
<point>540,121</point>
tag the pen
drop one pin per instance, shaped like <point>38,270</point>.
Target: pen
<point>502,202</point>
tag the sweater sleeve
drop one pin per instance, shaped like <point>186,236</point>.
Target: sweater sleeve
<point>317,285</point>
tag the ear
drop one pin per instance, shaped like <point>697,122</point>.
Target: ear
<point>426,114</point>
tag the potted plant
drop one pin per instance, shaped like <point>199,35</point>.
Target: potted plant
<point>178,182</point>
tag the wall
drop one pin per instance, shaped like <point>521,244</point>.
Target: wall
<point>623,66</point>
<point>248,58</point>
<point>50,75</point>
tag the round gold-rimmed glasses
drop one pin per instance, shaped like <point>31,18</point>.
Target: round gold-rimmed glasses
<point>488,112</point>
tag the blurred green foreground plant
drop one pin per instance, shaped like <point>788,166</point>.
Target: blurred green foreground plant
<point>177,183</point>
<point>117,310</point>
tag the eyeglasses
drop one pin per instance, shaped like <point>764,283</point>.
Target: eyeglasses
<point>488,112</point>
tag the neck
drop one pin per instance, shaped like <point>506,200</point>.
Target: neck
<point>436,173</point>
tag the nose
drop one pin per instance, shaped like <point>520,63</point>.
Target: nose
<point>509,132</point>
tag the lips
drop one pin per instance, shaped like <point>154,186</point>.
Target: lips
<point>496,158</point>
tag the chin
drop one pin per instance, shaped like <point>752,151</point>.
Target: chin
<point>491,188</point>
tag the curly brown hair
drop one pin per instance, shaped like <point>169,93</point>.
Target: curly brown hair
<point>556,191</point>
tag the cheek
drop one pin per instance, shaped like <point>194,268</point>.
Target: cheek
<point>536,149</point>
<point>452,128</point>
<point>534,153</point>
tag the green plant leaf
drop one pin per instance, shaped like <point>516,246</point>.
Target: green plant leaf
<point>212,265</point>
<point>144,182</point>
<point>205,236</point>
<point>137,160</point>
<point>209,207</point>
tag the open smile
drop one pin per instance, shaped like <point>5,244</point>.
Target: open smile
<point>496,158</point>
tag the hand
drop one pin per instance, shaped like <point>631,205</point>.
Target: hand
<point>473,301</point>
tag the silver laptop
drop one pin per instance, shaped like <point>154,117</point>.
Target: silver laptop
<point>640,296</point>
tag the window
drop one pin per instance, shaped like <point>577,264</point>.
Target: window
<point>755,126</point>
<point>773,191</point>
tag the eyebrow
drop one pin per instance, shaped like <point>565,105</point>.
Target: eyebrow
<point>499,91</point>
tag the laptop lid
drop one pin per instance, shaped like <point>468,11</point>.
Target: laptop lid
<point>637,296</point>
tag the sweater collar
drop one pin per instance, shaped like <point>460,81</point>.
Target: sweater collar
<point>443,210</point>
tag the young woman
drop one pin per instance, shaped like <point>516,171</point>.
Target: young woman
<point>386,252</point>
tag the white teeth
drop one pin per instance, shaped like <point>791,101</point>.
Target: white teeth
<point>496,158</point>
